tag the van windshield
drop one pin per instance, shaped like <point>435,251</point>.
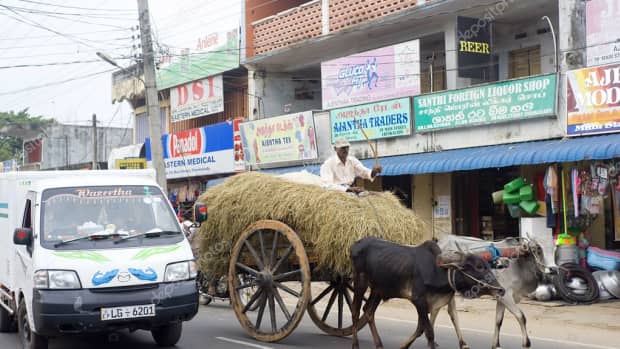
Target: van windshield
<point>96,216</point>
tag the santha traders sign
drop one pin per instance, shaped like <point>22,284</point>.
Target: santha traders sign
<point>198,151</point>
<point>378,120</point>
<point>504,101</point>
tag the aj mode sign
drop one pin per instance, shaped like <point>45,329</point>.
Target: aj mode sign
<point>196,99</point>
<point>198,152</point>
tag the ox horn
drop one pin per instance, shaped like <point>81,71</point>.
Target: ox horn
<point>450,259</point>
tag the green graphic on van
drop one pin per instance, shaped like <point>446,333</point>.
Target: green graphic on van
<point>149,252</point>
<point>88,255</point>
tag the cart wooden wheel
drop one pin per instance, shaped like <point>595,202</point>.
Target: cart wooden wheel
<point>335,299</point>
<point>274,257</point>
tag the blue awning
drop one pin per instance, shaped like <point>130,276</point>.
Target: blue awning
<point>502,155</point>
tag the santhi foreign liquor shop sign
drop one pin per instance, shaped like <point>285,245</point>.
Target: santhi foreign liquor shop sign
<point>379,120</point>
<point>504,101</point>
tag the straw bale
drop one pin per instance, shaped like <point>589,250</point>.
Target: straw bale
<point>327,221</point>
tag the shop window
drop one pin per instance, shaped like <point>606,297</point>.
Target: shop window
<point>525,62</point>
<point>439,80</point>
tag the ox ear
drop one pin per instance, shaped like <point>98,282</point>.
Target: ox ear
<point>451,259</point>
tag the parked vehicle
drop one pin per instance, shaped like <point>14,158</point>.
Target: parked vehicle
<point>92,251</point>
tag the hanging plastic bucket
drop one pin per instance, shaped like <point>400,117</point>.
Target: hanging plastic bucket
<point>514,185</point>
<point>498,197</point>
<point>566,254</point>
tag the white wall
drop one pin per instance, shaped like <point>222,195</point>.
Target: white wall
<point>277,92</point>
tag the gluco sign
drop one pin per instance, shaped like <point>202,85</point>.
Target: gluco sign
<point>199,151</point>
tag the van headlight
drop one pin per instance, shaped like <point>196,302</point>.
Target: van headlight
<point>180,271</point>
<point>57,279</point>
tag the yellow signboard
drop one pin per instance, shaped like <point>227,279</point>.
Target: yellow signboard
<point>130,164</point>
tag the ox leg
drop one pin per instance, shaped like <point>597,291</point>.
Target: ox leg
<point>360,284</point>
<point>374,301</point>
<point>455,321</point>
<point>499,318</point>
<point>520,316</point>
<point>424,323</point>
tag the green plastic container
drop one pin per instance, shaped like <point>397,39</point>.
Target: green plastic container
<point>529,206</point>
<point>514,210</point>
<point>511,198</point>
<point>526,193</point>
<point>514,185</point>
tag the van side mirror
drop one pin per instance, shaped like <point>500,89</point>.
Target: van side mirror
<point>22,236</point>
<point>200,212</point>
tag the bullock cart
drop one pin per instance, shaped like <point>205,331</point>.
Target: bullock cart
<point>287,241</point>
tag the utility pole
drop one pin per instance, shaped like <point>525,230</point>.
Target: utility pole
<point>152,101</point>
<point>94,164</point>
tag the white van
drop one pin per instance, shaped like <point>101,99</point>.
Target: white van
<point>92,251</point>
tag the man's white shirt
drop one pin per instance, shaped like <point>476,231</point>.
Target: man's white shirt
<point>338,176</point>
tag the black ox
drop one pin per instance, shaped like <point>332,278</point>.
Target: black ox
<point>420,274</point>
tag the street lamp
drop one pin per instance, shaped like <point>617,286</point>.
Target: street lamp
<point>154,124</point>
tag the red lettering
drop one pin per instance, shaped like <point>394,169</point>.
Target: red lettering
<point>197,90</point>
<point>210,80</point>
<point>183,95</point>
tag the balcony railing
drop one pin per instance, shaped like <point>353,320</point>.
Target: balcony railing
<point>347,13</point>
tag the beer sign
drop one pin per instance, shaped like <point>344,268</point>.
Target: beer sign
<point>474,47</point>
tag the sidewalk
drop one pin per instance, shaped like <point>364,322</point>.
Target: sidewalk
<point>597,324</point>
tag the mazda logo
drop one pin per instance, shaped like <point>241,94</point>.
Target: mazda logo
<point>123,277</point>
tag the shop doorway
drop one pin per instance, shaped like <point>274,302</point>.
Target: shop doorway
<point>400,186</point>
<point>475,214</point>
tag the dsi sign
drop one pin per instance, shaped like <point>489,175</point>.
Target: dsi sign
<point>378,120</point>
<point>198,152</point>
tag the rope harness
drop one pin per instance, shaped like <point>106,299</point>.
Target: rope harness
<point>452,282</point>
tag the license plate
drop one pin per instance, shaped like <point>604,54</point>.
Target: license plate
<point>131,312</point>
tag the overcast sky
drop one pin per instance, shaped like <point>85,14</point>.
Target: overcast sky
<point>46,35</point>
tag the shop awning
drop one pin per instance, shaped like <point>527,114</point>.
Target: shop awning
<point>501,155</point>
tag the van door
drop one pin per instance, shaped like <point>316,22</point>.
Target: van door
<point>23,267</point>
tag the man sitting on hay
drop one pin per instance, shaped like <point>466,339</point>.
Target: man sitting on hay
<point>339,171</point>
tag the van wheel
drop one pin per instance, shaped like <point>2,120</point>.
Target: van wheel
<point>168,335</point>
<point>29,339</point>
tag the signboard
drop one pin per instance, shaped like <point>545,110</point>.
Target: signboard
<point>510,100</point>
<point>197,152</point>
<point>603,32</point>
<point>473,47</point>
<point>204,55</point>
<point>593,100</point>
<point>384,73</point>
<point>130,164</point>
<point>196,99</point>
<point>379,120</point>
<point>289,137</point>
<point>238,145</point>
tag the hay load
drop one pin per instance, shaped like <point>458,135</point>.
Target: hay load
<point>327,222</point>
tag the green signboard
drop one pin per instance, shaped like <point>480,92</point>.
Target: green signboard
<point>378,120</point>
<point>510,100</point>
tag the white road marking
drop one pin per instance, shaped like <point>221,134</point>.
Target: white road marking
<point>593,346</point>
<point>247,344</point>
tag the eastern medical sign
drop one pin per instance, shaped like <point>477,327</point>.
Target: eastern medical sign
<point>593,100</point>
<point>193,58</point>
<point>289,137</point>
<point>510,100</point>
<point>603,32</point>
<point>384,73</point>
<point>474,47</point>
<point>197,152</point>
<point>196,99</point>
<point>378,120</point>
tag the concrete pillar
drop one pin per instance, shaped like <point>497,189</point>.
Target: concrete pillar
<point>254,97</point>
<point>325,16</point>
<point>451,41</point>
<point>571,46</point>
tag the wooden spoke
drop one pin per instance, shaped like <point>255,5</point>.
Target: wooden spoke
<point>347,297</point>
<point>252,300</point>
<point>285,257</point>
<point>287,290</point>
<point>261,310</point>
<point>262,247</point>
<point>259,262</point>
<point>322,294</point>
<point>285,275</point>
<point>285,311</point>
<point>332,298</point>
<point>241,287</point>
<point>272,312</point>
<point>340,308</point>
<point>246,268</point>
<point>274,249</point>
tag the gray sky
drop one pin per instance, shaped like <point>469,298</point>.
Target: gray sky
<point>51,33</point>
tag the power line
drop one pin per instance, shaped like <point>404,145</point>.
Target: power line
<point>90,15</point>
<point>55,63</point>
<point>71,34</point>
<point>76,7</point>
<point>55,83</point>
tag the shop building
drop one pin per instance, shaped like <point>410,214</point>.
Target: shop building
<point>488,97</point>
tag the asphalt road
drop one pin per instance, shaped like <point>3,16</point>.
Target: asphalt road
<point>216,327</point>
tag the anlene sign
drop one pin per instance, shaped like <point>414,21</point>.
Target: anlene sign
<point>196,99</point>
<point>198,152</point>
